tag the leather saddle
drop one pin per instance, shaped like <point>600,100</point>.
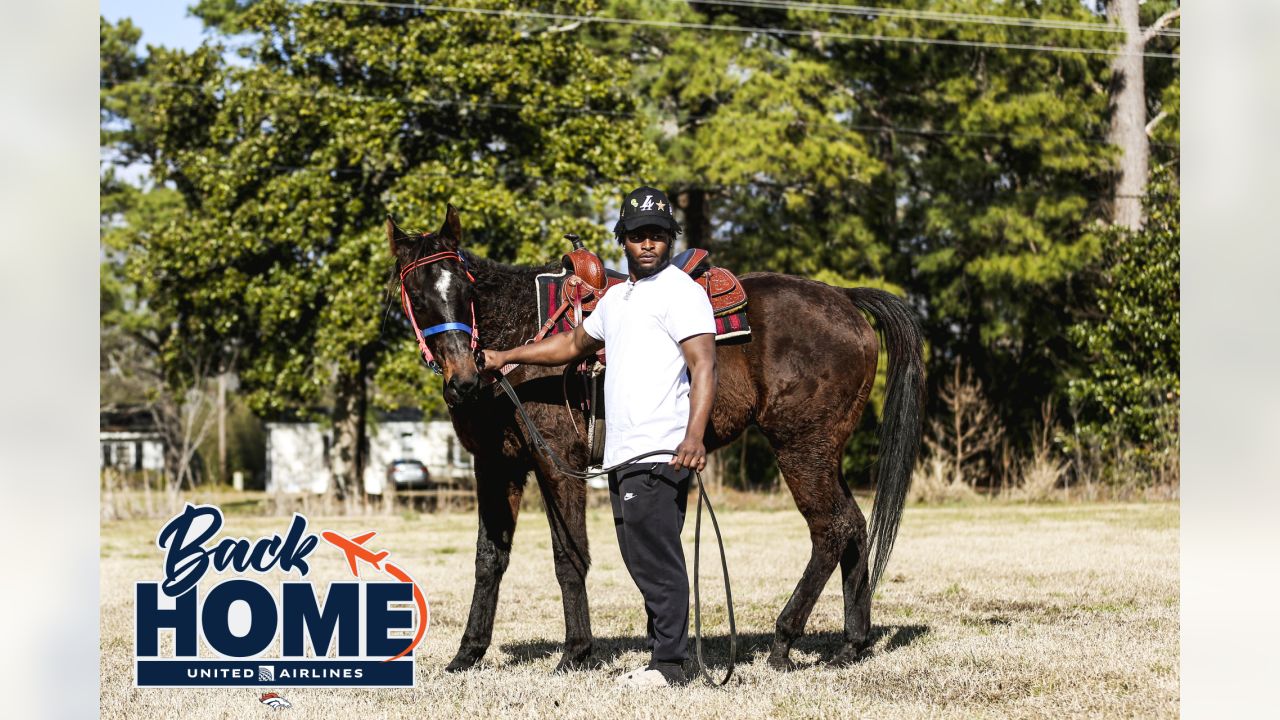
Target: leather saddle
<point>589,280</point>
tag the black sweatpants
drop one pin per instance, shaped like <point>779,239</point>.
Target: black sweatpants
<point>648,513</point>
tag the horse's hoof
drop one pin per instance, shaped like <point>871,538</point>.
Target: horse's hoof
<point>462,662</point>
<point>575,663</point>
<point>459,665</point>
<point>849,655</point>
<point>781,662</point>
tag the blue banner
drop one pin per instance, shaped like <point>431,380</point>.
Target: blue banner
<point>267,672</point>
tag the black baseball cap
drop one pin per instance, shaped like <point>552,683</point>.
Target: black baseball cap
<point>645,206</point>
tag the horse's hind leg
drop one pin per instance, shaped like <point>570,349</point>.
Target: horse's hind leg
<point>835,526</point>
<point>855,581</point>
<point>499,487</point>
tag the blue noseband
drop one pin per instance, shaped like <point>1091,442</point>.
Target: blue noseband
<point>444,327</point>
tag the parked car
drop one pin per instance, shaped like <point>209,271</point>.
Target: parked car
<point>408,475</point>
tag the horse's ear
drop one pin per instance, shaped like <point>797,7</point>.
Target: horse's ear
<point>392,232</point>
<point>451,233</point>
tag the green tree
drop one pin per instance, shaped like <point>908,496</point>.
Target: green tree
<point>755,138</point>
<point>998,168</point>
<point>1131,390</point>
<point>969,176</point>
<point>286,161</point>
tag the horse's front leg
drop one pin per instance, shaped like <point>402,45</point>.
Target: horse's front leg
<point>566,504</point>
<point>499,487</point>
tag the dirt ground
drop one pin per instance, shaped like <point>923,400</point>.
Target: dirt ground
<point>988,610</point>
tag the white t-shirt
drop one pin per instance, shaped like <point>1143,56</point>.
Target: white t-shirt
<point>646,383</point>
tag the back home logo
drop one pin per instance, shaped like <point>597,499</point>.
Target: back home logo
<point>362,635</point>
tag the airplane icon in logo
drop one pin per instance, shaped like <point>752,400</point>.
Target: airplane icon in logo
<point>355,550</point>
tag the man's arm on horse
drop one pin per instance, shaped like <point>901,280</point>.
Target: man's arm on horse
<point>700,355</point>
<point>556,349</point>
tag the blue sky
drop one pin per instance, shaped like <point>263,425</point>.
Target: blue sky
<point>163,22</point>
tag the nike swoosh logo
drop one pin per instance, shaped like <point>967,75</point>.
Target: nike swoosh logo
<point>628,496</point>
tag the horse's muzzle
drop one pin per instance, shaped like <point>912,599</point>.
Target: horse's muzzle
<point>459,389</point>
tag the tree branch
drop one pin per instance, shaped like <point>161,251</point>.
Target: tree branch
<point>1156,121</point>
<point>564,28</point>
<point>1160,24</point>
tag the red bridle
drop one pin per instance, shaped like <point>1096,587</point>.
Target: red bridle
<point>423,334</point>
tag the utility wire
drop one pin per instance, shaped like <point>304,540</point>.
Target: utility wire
<point>326,95</point>
<point>677,25</point>
<point>969,18</point>
<point>389,174</point>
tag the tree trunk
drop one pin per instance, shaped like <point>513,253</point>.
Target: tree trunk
<point>1129,117</point>
<point>692,203</point>
<point>348,435</point>
<point>222,428</point>
<point>957,422</point>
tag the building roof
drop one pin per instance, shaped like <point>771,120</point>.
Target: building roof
<point>126,418</point>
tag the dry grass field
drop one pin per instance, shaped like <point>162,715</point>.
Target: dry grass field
<point>989,610</point>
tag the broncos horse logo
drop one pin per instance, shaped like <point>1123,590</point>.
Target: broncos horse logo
<point>274,701</point>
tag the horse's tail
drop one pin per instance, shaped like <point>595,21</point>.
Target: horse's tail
<point>903,414</point>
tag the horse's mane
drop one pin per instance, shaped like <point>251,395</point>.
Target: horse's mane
<point>492,277</point>
<point>506,309</point>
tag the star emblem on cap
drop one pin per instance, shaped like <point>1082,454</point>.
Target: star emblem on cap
<point>662,205</point>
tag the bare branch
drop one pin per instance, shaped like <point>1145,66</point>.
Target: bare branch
<point>969,431</point>
<point>1156,121</point>
<point>1154,28</point>
<point>565,28</point>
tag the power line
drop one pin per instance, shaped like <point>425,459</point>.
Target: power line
<point>1007,20</point>
<point>326,95</point>
<point>497,176</point>
<point>678,25</point>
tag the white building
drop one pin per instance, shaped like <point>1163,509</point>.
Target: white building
<point>129,440</point>
<point>131,451</point>
<point>298,454</point>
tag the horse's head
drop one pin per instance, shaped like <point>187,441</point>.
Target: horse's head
<point>438,298</point>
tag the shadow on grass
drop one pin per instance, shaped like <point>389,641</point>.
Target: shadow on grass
<point>715,649</point>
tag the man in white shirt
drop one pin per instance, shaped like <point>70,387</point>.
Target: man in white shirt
<point>659,332</point>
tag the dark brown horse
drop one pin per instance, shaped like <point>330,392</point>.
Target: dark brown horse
<point>803,379</point>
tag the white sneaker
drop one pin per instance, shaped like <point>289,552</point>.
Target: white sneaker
<point>642,677</point>
<point>629,674</point>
